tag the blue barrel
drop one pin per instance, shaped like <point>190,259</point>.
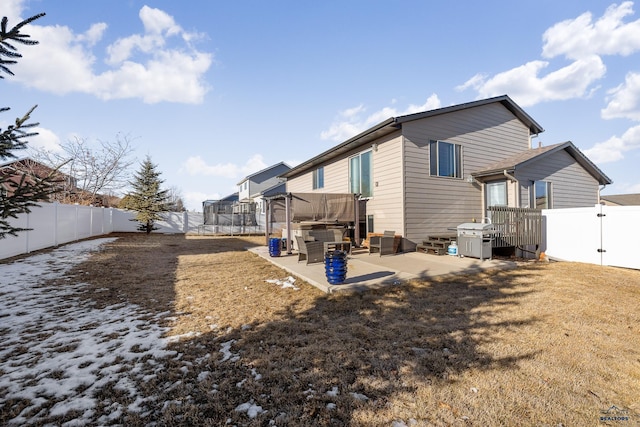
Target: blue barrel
<point>335,266</point>
<point>274,247</point>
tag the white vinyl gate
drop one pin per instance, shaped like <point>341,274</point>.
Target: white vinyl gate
<point>605,235</point>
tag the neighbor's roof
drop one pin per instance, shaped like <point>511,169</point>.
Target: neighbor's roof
<point>623,199</point>
<point>521,159</point>
<point>394,123</point>
<point>263,170</point>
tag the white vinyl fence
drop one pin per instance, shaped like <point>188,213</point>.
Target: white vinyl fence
<point>605,235</point>
<point>54,224</point>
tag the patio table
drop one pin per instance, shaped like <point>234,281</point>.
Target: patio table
<point>337,246</point>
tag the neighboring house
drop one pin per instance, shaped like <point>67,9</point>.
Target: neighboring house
<point>253,188</point>
<point>425,173</point>
<point>621,199</point>
<point>14,170</point>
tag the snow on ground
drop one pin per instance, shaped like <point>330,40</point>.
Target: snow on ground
<point>58,347</point>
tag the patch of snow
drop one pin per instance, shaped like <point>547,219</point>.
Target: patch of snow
<point>288,282</point>
<point>359,396</point>
<point>74,349</point>
<point>331,406</point>
<point>333,392</point>
<point>252,410</point>
<point>203,375</point>
<point>256,375</point>
<point>226,352</point>
<point>188,335</point>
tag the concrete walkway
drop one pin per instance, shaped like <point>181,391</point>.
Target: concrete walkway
<point>366,271</point>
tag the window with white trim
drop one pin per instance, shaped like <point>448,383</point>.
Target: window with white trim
<point>541,195</point>
<point>445,159</point>
<point>497,193</point>
<point>361,174</point>
<point>318,178</point>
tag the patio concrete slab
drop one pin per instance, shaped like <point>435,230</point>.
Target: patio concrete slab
<point>366,271</point>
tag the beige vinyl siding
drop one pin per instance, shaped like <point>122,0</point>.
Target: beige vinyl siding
<point>486,133</point>
<point>301,184</point>
<point>386,205</point>
<point>572,186</point>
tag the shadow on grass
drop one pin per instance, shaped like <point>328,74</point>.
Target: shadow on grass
<point>318,359</point>
<point>358,351</point>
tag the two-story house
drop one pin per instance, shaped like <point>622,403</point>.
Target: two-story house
<point>424,173</point>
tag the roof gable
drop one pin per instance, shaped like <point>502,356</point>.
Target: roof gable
<point>534,155</point>
<point>277,169</point>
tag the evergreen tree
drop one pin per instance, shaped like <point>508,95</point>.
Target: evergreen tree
<point>147,198</point>
<point>18,193</point>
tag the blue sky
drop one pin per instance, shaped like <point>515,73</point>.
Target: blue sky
<point>214,91</point>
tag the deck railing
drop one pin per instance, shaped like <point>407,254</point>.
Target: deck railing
<point>516,226</point>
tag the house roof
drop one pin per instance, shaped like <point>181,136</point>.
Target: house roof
<point>394,123</point>
<point>511,163</point>
<point>623,199</point>
<point>262,171</point>
<point>28,162</point>
<point>278,188</point>
<point>230,198</point>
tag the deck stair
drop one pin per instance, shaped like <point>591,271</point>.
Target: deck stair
<point>436,244</point>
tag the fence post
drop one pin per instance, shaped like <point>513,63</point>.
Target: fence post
<point>185,222</point>
<point>26,238</point>
<point>55,223</point>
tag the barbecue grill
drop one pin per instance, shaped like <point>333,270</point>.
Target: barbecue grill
<point>475,239</point>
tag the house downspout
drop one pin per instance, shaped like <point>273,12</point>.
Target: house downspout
<point>287,213</point>
<point>599,191</point>
<point>514,179</point>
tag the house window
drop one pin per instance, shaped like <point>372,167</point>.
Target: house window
<point>369,223</point>
<point>542,195</point>
<point>445,159</point>
<point>360,174</point>
<point>497,193</point>
<point>318,178</point>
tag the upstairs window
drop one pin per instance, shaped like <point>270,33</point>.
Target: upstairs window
<point>445,159</point>
<point>361,174</point>
<point>542,195</point>
<point>318,178</point>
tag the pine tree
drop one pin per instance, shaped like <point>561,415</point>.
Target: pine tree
<point>17,196</point>
<point>147,198</point>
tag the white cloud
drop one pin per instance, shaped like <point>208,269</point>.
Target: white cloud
<point>46,139</point>
<point>624,100</point>
<point>527,87</point>
<point>351,122</point>
<point>614,148</point>
<point>581,37</point>
<point>196,166</point>
<point>158,65</point>
<point>12,9</point>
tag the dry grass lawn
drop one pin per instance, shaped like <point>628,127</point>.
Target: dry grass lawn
<point>546,344</point>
